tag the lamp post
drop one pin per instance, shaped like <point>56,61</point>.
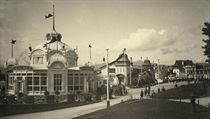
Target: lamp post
<point>107,87</point>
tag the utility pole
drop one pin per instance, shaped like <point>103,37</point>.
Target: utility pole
<point>107,87</point>
<point>125,68</point>
<point>141,65</point>
<point>130,71</point>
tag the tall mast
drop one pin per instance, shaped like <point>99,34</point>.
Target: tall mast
<point>90,46</point>
<point>53,17</point>
<point>12,50</point>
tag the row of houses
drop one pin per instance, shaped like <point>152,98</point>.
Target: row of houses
<point>186,69</point>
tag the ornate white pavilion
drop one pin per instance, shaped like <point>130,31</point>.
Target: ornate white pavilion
<point>53,68</point>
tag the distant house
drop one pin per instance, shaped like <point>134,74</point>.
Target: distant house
<point>189,70</point>
<point>180,66</point>
<point>118,71</point>
<point>143,73</point>
<point>202,70</point>
<point>164,72</point>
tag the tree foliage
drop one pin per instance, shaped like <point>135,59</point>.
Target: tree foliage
<point>206,47</point>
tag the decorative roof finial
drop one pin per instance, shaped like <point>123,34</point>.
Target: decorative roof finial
<point>124,50</point>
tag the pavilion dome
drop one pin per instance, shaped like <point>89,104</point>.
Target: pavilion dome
<point>67,55</point>
<point>146,63</point>
<point>11,62</point>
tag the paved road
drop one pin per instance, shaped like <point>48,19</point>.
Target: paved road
<point>136,91</point>
<point>68,113</point>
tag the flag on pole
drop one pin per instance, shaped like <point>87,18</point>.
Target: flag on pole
<point>103,59</point>
<point>13,41</point>
<point>124,49</point>
<point>90,46</point>
<point>48,16</point>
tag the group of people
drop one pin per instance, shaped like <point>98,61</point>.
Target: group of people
<point>146,92</point>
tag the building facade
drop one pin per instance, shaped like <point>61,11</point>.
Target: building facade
<point>118,71</point>
<point>186,69</point>
<point>53,68</point>
<point>180,66</point>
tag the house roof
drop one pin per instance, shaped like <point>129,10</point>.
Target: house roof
<point>123,58</point>
<point>182,63</point>
<point>202,65</point>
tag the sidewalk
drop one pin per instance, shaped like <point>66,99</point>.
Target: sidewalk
<point>67,113</point>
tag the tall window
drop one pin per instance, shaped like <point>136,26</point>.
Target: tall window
<point>76,82</point>
<point>10,83</point>
<point>36,83</point>
<point>70,83</point>
<point>29,83</point>
<point>111,70</point>
<point>81,83</point>
<point>43,83</point>
<point>38,59</point>
<point>57,82</point>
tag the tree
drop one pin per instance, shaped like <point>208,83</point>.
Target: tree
<point>206,47</point>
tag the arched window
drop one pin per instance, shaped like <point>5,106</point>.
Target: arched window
<point>38,57</point>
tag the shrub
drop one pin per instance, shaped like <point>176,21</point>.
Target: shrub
<point>29,99</point>
<point>50,99</point>
<point>71,98</point>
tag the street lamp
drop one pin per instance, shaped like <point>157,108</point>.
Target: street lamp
<point>107,87</point>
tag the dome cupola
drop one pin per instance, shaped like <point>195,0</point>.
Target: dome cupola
<point>11,62</point>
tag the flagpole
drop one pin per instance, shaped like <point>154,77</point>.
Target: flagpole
<point>53,17</point>
<point>12,48</point>
<point>90,51</point>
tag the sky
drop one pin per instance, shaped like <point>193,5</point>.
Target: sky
<point>168,30</point>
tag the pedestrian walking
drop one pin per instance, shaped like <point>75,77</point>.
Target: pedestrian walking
<point>158,89</point>
<point>193,103</point>
<point>141,94</point>
<point>149,88</point>
<point>145,91</point>
<point>153,94</point>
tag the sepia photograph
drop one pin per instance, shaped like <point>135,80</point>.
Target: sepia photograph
<point>104,59</point>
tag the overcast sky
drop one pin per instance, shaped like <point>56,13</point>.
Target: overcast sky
<point>157,29</point>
